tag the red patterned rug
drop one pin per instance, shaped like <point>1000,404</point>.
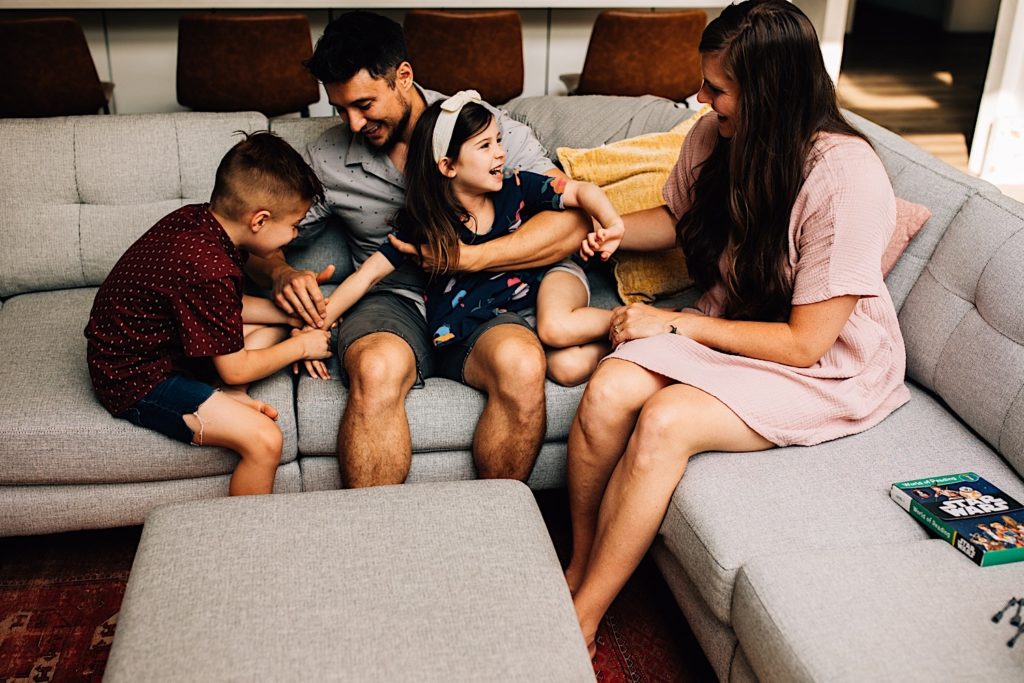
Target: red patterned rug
<point>59,598</point>
<point>60,595</point>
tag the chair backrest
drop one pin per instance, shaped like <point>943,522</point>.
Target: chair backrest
<point>452,51</point>
<point>644,53</point>
<point>46,69</point>
<point>245,63</point>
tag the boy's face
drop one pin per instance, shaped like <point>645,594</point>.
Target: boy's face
<point>273,230</point>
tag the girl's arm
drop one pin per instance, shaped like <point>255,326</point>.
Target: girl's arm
<point>373,270</point>
<point>592,199</point>
<point>257,310</point>
<point>801,341</point>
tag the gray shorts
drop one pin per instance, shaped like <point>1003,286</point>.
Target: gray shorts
<point>451,360</point>
<point>387,312</point>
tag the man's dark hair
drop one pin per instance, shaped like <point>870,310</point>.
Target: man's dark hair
<point>262,172</point>
<point>356,41</point>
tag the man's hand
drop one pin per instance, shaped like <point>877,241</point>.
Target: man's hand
<point>427,260</point>
<point>297,293</point>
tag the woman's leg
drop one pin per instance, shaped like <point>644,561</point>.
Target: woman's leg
<point>677,422</point>
<point>575,335</point>
<point>604,420</point>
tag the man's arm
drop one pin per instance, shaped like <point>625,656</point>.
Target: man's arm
<point>296,292</point>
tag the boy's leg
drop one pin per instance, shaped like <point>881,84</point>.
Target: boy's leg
<point>228,421</point>
<point>576,334</point>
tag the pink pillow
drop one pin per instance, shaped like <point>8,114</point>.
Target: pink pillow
<point>910,218</point>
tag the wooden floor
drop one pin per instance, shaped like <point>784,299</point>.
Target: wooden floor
<point>908,75</point>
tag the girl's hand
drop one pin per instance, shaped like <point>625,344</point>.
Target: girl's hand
<point>639,321</point>
<point>603,241</point>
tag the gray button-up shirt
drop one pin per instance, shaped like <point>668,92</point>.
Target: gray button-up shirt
<point>363,189</point>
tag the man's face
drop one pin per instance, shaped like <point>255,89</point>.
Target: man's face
<point>372,107</point>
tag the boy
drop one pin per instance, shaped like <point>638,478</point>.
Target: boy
<point>169,317</point>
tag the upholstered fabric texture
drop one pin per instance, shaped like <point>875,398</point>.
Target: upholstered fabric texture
<point>632,172</point>
<point>432,582</point>
<point>78,191</point>
<point>910,218</point>
<point>903,611</point>
<point>789,496</point>
<point>55,432</point>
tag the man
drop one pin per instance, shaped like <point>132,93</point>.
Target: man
<point>383,341</point>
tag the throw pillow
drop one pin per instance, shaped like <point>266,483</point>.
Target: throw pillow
<point>910,218</point>
<point>632,173</point>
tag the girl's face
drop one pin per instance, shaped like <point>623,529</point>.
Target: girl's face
<point>720,91</point>
<point>478,168</point>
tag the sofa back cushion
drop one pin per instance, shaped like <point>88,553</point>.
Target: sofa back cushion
<point>963,321</point>
<point>75,192</point>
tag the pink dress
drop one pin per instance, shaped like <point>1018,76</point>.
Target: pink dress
<point>841,223</point>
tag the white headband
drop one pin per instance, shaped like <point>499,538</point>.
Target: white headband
<point>445,124</point>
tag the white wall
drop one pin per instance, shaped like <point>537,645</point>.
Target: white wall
<point>137,49</point>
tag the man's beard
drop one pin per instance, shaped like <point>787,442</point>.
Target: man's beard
<point>396,133</point>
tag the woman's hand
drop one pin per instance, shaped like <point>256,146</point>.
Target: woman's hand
<point>639,321</point>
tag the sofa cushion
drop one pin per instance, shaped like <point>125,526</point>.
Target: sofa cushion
<point>731,508</point>
<point>592,120</point>
<point>964,322</point>
<point>86,187</point>
<point>54,429</point>
<point>921,178</point>
<point>915,611</point>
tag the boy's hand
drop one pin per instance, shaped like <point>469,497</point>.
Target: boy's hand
<point>316,344</point>
<point>603,241</point>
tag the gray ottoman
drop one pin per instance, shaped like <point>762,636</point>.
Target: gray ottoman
<point>448,581</point>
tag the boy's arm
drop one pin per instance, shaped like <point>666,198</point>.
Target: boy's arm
<point>373,270</point>
<point>256,309</point>
<point>249,365</point>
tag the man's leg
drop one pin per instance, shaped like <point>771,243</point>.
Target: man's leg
<point>374,445</point>
<point>507,364</point>
<point>383,347</point>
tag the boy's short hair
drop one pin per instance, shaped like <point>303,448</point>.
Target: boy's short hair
<point>356,41</point>
<point>262,171</point>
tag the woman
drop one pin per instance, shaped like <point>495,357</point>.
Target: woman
<point>783,211</point>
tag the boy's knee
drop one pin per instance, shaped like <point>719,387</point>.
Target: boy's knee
<point>267,444</point>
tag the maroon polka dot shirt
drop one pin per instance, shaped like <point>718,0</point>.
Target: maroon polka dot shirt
<point>172,301</point>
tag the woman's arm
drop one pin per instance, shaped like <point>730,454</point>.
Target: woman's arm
<point>649,230</point>
<point>801,341</point>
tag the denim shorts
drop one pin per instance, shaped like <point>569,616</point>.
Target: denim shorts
<point>387,312</point>
<point>164,408</point>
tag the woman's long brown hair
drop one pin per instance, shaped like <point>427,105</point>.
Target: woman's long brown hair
<point>432,215</point>
<point>745,191</point>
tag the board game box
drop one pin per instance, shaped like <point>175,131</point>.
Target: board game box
<point>974,515</point>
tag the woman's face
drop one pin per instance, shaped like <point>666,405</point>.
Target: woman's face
<point>720,91</point>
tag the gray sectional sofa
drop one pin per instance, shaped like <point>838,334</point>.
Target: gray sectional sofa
<point>791,564</point>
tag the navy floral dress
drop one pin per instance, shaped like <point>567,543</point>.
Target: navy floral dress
<point>458,303</point>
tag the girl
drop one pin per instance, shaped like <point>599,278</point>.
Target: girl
<point>783,211</point>
<point>458,192</point>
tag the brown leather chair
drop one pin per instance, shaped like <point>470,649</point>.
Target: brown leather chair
<point>452,51</point>
<point>47,70</point>
<point>245,63</point>
<point>644,53</point>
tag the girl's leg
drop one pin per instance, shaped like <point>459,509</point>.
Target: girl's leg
<point>677,422</point>
<point>230,422</point>
<point>575,334</point>
<point>604,420</point>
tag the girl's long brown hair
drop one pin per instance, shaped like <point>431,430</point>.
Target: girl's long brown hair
<point>745,191</point>
<point>432,215</point>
